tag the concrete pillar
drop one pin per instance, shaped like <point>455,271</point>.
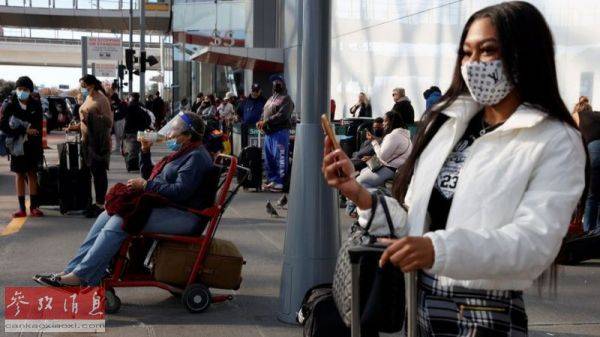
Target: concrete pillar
<point>312,237</point>
<point>84,55</point>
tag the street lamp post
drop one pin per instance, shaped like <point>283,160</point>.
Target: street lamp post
<point>143,50</point>
<point>129,71</point>
<point>312,237</point>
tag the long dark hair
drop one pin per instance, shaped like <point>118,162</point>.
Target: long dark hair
<point>395,121</point>
<point>92,80</point>
<point>527,53</point>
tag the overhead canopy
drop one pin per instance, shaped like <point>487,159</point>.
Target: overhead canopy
<point>258,59</point>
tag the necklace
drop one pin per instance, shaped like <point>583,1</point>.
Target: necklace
<point>485,129</point>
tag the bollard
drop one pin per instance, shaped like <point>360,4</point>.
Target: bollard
<point>44,135</point>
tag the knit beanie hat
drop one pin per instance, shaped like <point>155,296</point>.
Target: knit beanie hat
<point>26,82</point>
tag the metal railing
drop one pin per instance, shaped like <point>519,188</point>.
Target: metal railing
<point>70,42</point>
<point>77,4</point>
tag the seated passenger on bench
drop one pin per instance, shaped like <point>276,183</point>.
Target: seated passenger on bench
<point>184,177</point>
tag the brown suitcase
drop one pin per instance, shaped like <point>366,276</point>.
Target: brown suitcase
<point>173,263</point>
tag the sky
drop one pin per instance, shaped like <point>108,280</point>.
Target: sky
<point>55,76</point>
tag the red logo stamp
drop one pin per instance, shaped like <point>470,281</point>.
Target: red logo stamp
<point>34,309</point>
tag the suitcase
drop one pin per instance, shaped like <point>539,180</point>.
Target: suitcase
<point>319,316</point>
<point>74,190</point>
<point>69,156</point>
<point>251,158</point>
<point>48,178</point>
<point>132,154</point>
<point>361,297</point>
<point>580,248</point>
<point>222,268</point>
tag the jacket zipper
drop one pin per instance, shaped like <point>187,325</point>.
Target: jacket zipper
<point>464,307</point>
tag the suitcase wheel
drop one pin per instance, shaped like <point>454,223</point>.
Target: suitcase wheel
<point>113,302</point>
<point>196,298</point>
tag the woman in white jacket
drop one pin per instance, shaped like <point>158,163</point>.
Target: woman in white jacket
<point>392,151</point>
<point>489,188</point>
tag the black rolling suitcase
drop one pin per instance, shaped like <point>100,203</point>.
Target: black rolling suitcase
<point>251,158</point>
<point>580,248</point>
<point>74,182</point>
<point>48,178</point>
<point>132,153</point>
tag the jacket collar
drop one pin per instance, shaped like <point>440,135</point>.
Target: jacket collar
<point>464,108</point>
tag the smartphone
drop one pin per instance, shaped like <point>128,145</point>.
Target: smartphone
<point>329,131</point>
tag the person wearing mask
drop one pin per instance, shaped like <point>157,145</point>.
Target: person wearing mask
<point>390,151</point>
<point>365,151</point>
<point>209,111</point>
<point>489,188</point>
<point>432,96</point>
<point>250,111</point>
<point>589,124</point>
<point>362,108</point>
<point>403,106</point>
<point>197,102</point>
<point>227,111</point>
<point>184,177</point>
<point>158,109</point>
<point>119,109</point>
<point>276,124</point>
<point>96,122</point>
<point>22,123</point>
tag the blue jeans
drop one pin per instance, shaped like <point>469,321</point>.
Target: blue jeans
<point>276,156</point>
<point>591,218</point>
<point>106,236</point>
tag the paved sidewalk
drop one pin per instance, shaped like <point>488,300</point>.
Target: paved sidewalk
<point>45,244</point>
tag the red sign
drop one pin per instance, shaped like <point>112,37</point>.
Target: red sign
<point>54,309</point>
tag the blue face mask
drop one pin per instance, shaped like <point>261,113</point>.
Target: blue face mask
<point>173,145</point>
<point>22,95</point>
<point>84,92</point>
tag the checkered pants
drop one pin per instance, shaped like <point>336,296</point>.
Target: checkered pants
<point>462,312</point>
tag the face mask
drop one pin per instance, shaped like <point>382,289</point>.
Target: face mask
<point>278,88</point>
<point>173,145</point>
<point>22,95</point>
<point>378,133</point>
<point>84,92</point>
<point>486,81</point>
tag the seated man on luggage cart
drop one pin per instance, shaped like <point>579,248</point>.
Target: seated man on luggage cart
<point>183,177</point>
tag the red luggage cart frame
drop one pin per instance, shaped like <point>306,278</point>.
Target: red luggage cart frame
<point>195,296</point>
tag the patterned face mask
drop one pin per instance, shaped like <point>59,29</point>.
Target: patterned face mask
<point>486,81</point>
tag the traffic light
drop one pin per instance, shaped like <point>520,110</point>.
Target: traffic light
<point>129,58</point>
<point>143,62</point>
<point>121,71</point>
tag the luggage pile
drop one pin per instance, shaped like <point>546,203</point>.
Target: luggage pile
<point>68,184</point>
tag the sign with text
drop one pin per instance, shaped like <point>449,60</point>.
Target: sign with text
<point>105,70</point>
<point>105,49</point>
<point>47,309</point>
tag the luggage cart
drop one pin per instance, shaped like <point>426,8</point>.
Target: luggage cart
<point>195,297</point>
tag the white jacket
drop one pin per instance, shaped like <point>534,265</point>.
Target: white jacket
<point>394,149</point>
<point>513,202</point>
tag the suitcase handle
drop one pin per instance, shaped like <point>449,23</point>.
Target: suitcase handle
<point>357,251</point>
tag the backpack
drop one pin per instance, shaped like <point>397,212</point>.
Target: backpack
<point>3,149</point>
<point>319,316</point>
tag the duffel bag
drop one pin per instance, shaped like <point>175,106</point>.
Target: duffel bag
<point>222,268</point>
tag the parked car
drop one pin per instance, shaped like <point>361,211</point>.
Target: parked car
<point>58,111</point>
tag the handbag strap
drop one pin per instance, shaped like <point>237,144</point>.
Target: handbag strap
<point>387,215</point>
<point>373,209</point>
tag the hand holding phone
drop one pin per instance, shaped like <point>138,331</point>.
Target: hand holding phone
<point>329,131</point>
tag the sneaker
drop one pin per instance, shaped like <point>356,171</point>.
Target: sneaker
<point>19,214</point>
<point>267,186</point>
<point>36,213</point>
<point>276,188</point>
